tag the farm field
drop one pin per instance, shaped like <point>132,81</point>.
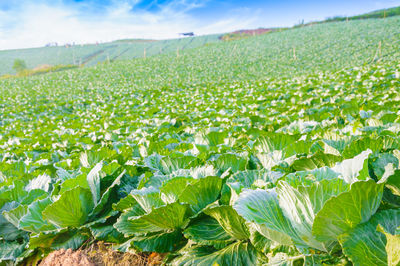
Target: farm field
<point>280,149</point>
<point>92,54</point>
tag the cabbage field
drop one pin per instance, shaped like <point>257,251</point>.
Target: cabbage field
<point>281,149</point>
<point>92,54</point>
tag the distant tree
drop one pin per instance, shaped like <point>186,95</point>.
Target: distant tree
<point>19,65</point>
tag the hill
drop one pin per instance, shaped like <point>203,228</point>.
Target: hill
<point>281,148</point>
<point>382,13</point>
<point>245,33</point>
<point>92,54</point>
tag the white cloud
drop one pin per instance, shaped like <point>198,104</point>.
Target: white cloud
<point>34,25</point>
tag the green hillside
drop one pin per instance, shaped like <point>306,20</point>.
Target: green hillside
<point>92,54</point>
<point>382,13</point>
<point>279,149</point>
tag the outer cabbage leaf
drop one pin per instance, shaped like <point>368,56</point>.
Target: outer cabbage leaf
<point>237,253</point>
<point>208,231</point>
<point>365,245</point>
<point>8,231</point>
<point>262,207</point>
<point>393,183</point>
<point>57,239</point>
<point>14,215</point>
<point>71,209</point>
<point>307,178</point>
<point>168,217</point>
<point>160,242</point>
<point>352,170</point>
<point>126,226</point>
<point>9,251</point>
<point>106,232</point>
<point>172,189</point>
<point>230,161</point>
<point>170,164</point>
<point>148,198</point>
<point>347,210</point>
<point>315,161</point>
<point>273,142</point>
<point>230,221</point>
<point>201,192</point>
<point>248,177</point>
<point>260,242</point>
<point>93,179</point>
<point>33,220</point>
<point>283,259</point>
<point>392,247</point>
<point>301,205</point>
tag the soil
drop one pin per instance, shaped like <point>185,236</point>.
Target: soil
<point>99,254</point>
<point>66,257</point>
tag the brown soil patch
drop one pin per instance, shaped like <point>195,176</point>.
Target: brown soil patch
<point>100,254</point>
<point>66,257</point>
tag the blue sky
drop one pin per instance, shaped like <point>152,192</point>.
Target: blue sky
<point>33,23</point>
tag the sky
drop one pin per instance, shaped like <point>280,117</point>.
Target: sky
<point>34,23</point>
